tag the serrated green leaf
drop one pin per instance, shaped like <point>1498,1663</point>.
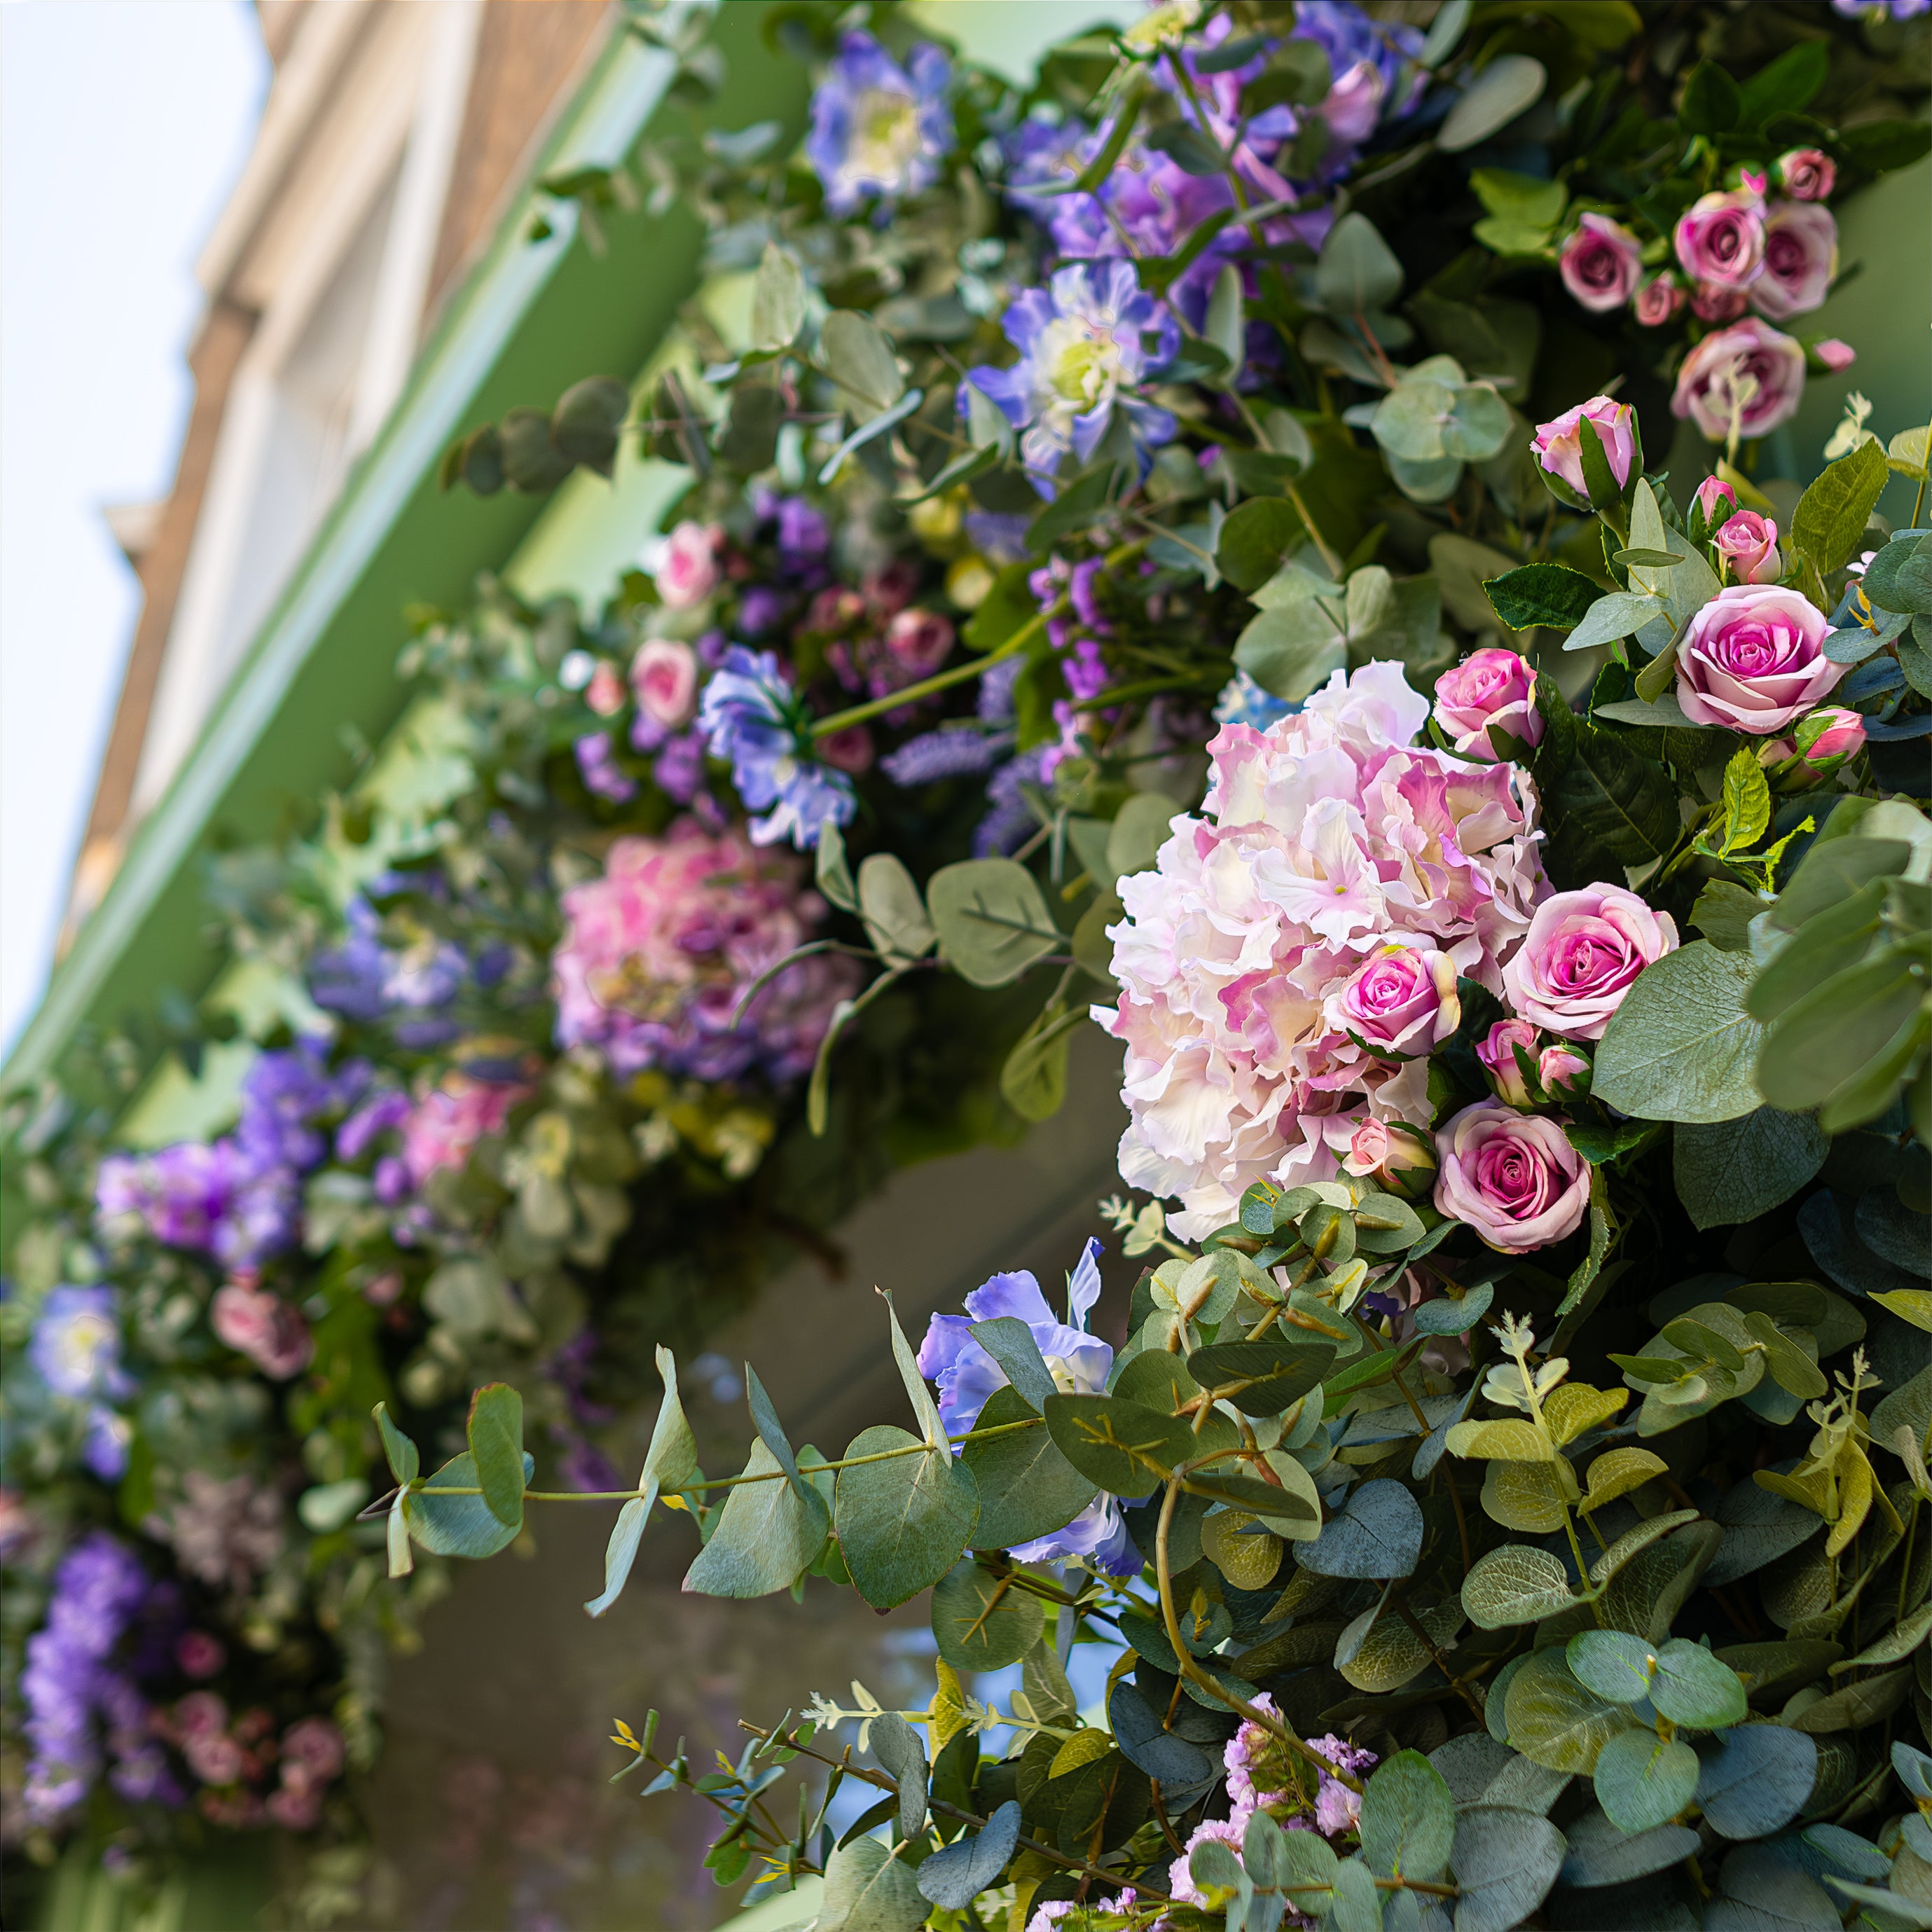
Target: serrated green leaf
<point>1830,517</point>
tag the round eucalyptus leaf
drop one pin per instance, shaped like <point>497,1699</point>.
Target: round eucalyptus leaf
<point>1755,1779</point>
<point>1603,1852</point>
<point>982,1622</point>
<point>1517,1584</point>
<point>1510,84</point>
<point>1690,1687</point>
<point>1556,1720</point>
<point>992,922</point>
<point>1379,1534</point>
<point>1643,1781</point>
<point>1505,1861</point>
<point>1613,1664</point>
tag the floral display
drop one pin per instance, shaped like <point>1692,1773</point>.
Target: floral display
<point>1183,544</point>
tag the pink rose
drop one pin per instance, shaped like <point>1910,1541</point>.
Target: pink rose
<point>604,693</point>
<point>1491,686</point>
<point>1558,445</point>
<point>1807,174</point>
<point>315,1744</point>
<point>1497,1053</point>
<point>1747,544</point>
<point>1401,1001</point>
<point>1829,736</point>
<point>1712,301</point>
<point>199,1654</point>
<point>294,1810</point>
<point>919,641</point>
<point>663,675</point>
<point>1562,1069</point>
<point>1399,1159</point>
<point>1836,356</point>
<point>200,1714</point>
<point>1801,256</point>
<point>851,750</point>
<point>1658,300</point>
<point>1601,262</point>
<point>266,1329</point>
<point>1514,1177</point>
<point>1714,498</point>
<point>1753,659</point>
<point>1752,362</point>
<point>1354,103</point>
<point>1581,955</point>
<point>686,568</point>
<point>1721,237</point>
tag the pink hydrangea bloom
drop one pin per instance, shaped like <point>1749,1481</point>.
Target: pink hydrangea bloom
<point>1325,840</point>
<point>269,1330</point>
<point>1227,1832</point>
<point>657,954</point>
<point>449,1121</point>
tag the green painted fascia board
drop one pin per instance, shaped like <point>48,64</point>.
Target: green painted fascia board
<point>533,318</point>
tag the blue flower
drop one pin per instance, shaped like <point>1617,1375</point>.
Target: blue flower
<point>1085,341</point>
<point>1243,701</point>
<point>752,717</point>
<point>878,128</point>
<point>1078,1362</point>
<point>76,1348</point>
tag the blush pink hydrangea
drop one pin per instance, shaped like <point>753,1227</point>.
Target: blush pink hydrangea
<point>1325,841</point>
<point>658,953</point>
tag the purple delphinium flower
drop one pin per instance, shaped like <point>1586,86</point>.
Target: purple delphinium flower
<point>364,978</point>
<point>1083,347</point>
<point>76,1350</point>
<point>282,1096</point>
<point>1896,10</point>
<point>752,716</point>
<point>1011,819</point>
<point>950,751</point>
<point>879,129</point>
<point>967,1376</point>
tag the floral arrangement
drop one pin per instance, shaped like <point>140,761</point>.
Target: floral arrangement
<point>1145,545</point>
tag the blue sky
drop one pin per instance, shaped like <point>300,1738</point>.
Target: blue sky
<point>123,124</point>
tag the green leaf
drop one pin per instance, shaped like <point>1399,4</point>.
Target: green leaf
<point>778,300</point>
<point>1010,1342</point>
<point>1032,1080</point>
<point>1407,1818</point>
<point>1690,1687</point>
<point>923,1406</point>
<point>1505,1862</point>
<point>1755,1779</point>
<point>1123,1446</point>
<point>1601,1853</point>
<point>1294,648</point>
<point>1180,1765</point>
<point>982,1622</point>
<point>771,1432</point>
<point>902,1523</point>
<point>1276,1372</point>
<point>1746,800</point>
<point>1829,1036</point>
<point>859,358</point>
<point>1141,827</point>
<point>404,1463</point>
<point>893,912</point>
<point>1610,799</point>
<point>1712,102</point>
<point>957,1873</point>
<point>1508,86</point>
<point>402,1560</point>
<point>1542,593</point>
<point>767,1536</point>
<point>1613,1664</point>
<point>1786,85</point>
<point>1028,1489</point>
<point>1527,199</point>
<point>1681,1047</point>
<point>1256,537</point>
<point>1619,614</point>
<point>621,1552</point>
<point>1728,1172</point>
<point>1900,578</point>
<point>1516,1584</point>
<point>992,922</point>
<point>1830,517</point>
<point>458,1525</point>
<point>897,1746</point>
<point>1557,1721</point>
<point>1226,326</point>
<point>1357,270</point>
<point>833,877</point>
<point>1377,1534</point>
<point>588,420</point>
<point>867,1889</point>
<point>1642,1782</point>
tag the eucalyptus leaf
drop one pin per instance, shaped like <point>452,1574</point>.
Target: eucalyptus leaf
<point>902,1523</point>
<point>1407,1820</point>
<point>956,1874</point>
<point>1505,1862</point>
<point>1681,1047</point>
<point>982,1622</point>
<point>1755,1779</point>
<point>1379,1534</point>
<point>768,1535</point>
<point>867,1889</point>
<point>1027,1488</point>
<point>991,919</point>
<point>1643,1781</point>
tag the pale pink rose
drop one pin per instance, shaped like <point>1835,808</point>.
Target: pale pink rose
<point>1399,1159</point>
<point>686,566</point>
<point>1713,301</point>
<point>294,1810</point>
<point>1753,659</point>
<point>1497,1053</point>
<point>1800,257</point>
<point>1721,237</point>
<point>1514,1177</point>
<point>1557,445</point>
<point>200,1714</point>
<point>1368,1148</point>
<point>1354,103</point>
<point>1562,1069</point>
<point>269,1330</point>
<point>1401,1001</point>
<point>663,676</point>
<point>1583,952</point>
<point>919,641</point>
<point>1831,736</point>
<point>1807,174</point>
<point>1715,498</point>
<point>448,1122</point>
<point>1490,686</point>
<point>1836,356</point>
<point>604,693</point>
<point>1658,300</point>
<point>315,1745</point>
<point>1747,544</point>
<point>213,1756</point>
<point>1601,263</point>
<point>1774,363</point>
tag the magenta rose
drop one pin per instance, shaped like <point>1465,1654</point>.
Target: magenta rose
<point>1497,1053</point>
<point>1658,300</point>
<point>1709,384</point>
<point>1558,445</point>
<point>1807,174</point>
<point>1491,686</point>
<point>1747,544</point>
<point>1514,1177</point>
<point>1580,956</point>
<point>1601,263</point>
<point>1829,736</point>
<point>1721,237</point>
<point>1753,659</point>
<point>1713,301</point>
<point>1401,1001</point>
<point>1800,257</point>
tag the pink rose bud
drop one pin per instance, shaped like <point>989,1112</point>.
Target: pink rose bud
<point>1707,384</point>
<point>1497,1053</point>
<point>1836,356</point>
<point>1753,659</point>
<point>1399,1159</point>
<point>1368,1148</point>
<point>1558,446</point>
<point>1715,499</point>
<point>919,641</point>
<point>1581,955</point>
<point>1563,1070</point>
<point>604,693</point>
<point>663,675</point>
<point>1402,1001</point>
<point>1712,301</point>
<point>1491,686</point>
<point>1807,174</point>
<point>1658,300</point>
<point>1800,258</point>
<point>1721,237</point>
<point>1514,1177</point>
<point>1354,103</point>
<point>1601,263</point>
<point>686,566</point>
<point>1747,544</point>
<point>1829,736</point>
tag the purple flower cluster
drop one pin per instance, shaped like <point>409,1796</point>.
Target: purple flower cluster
<point>879,130</point>
<point>73,1689</point>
